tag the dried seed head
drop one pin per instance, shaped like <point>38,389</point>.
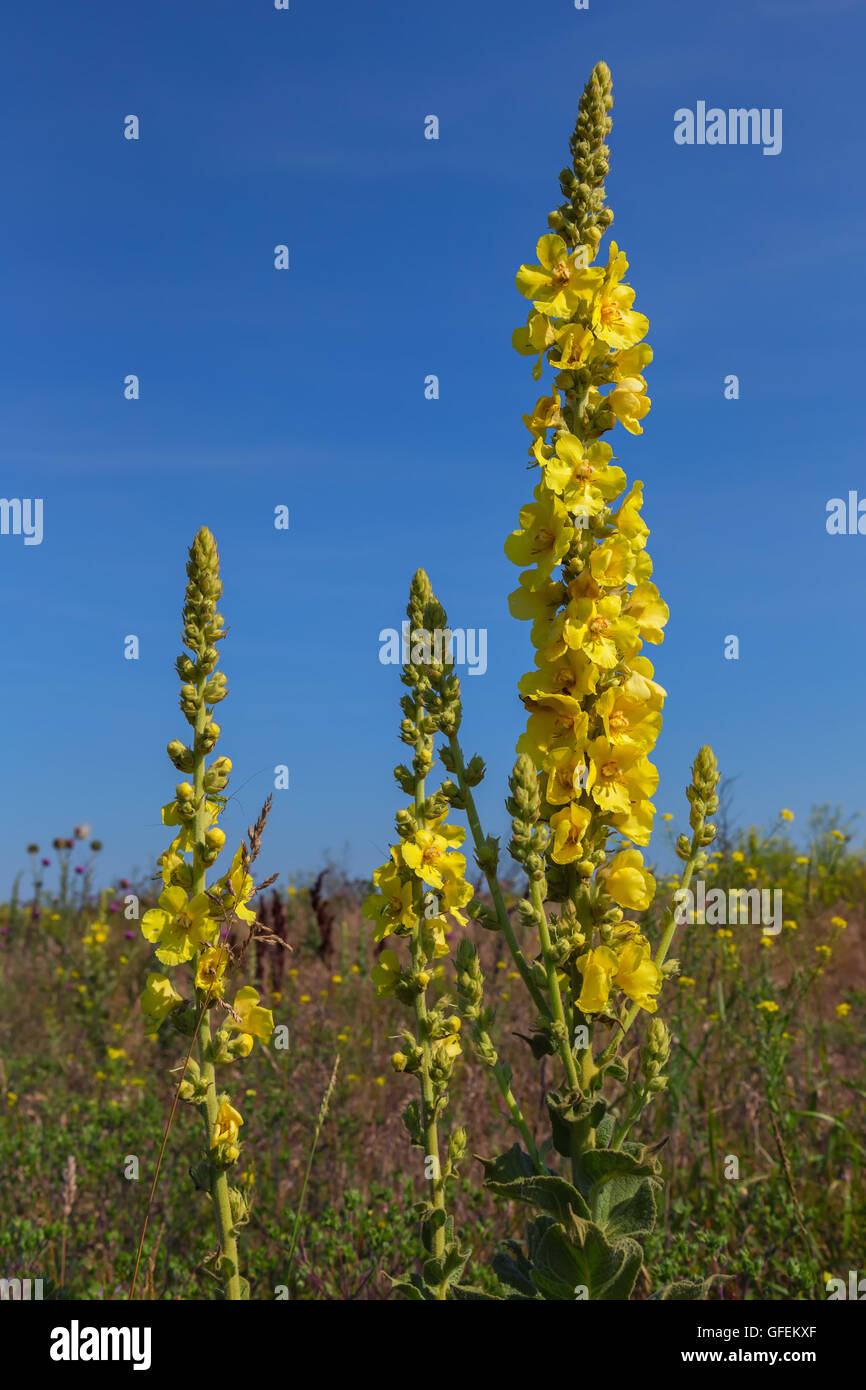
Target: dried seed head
<point>70,1187</point>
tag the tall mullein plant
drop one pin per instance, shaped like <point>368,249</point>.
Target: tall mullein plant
<point>192,925</point>
<point>418,895</point>
<point>580,790</point>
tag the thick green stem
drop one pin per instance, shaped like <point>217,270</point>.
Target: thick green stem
<point>553,991</point>
<point>479,840</point>
<point>502,1081</point>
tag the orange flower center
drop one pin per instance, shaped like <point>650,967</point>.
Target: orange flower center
<point>561,273</point>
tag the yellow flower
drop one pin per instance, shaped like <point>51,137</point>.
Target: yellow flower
<point>597,967</point>
<point>791,926</point>
<point>824,951</point>
<point>595,627</point>
<point>738,856</point>
<point>686,982</point>
<point>613,319</point>
<point>158,1000</point>
<point>649,611</point>
<point>178,926</point>
<point>391,905</point>
<point>838,922</point>
<point>582,477</point>
<point>843,1010</point>
<point>561,281</point>
<point>769,1006</point>
<point>565,769</point>
<point>802,859</point>
<point>631,714</point>
<point>618,775</point>
<point>628,882</point>
<point>543,538</point>
<point>254,1020</point>
<point>628,402</point>
<point>227,1127</point>
<point>553,719</point>
<point>637,974</point>
<point>426,854</point>
<point>236,888</point>
<point>386,974</point>
<point>569,827</point>
<point>786,815</point>
<point>115,1053</point>
<point>210,970</point>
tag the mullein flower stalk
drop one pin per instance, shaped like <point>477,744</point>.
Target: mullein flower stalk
<point>192,924</point>
<point>415,893</point>
<point>581,787</point>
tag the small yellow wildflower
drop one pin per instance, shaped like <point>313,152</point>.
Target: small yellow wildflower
<point>769,1006</point>
<point>787,815</point>
<point>843,1010</point>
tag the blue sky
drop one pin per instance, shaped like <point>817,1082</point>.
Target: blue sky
<point>306,388</point>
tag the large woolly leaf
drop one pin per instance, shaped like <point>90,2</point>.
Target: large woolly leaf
<point>546,1193</point>
<point>565,1265</point>
<point>515,1163</point>
<point>635,1215</point>
<point>513,1268</point>
<point>686,1289</point>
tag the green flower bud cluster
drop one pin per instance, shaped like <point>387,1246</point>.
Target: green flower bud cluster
<point>654,1055</point>
<point>529,837</point>
<point>583,218</point>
